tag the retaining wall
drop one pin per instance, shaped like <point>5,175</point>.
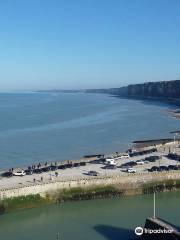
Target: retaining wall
<point>124,182</point>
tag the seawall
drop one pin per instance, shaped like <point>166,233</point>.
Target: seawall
<point>125,183</point>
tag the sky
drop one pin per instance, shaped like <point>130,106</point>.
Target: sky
<point>72,44</point>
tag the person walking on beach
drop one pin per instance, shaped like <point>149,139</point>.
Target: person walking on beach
<point>41,179</point>
<point>34,180</point>
<point>51,177</point>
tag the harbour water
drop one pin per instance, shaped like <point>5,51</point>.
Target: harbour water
<point>108,219</point>
<point>37,127</point>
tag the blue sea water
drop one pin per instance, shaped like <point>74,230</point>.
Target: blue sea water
<point>51,126</point>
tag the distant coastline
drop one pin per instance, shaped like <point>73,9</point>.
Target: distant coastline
<point>164,91</point>
<point>59,91</point>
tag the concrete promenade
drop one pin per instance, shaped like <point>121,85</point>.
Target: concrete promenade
<point>127,181</point>
<point>78,177</point>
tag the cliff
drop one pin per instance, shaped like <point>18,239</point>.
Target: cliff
<point>165,90</point>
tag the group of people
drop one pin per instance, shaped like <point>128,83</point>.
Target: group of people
<point>50,175</point>
<point>39,165</point>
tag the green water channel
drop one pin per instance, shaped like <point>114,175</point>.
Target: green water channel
<point>108,219</point>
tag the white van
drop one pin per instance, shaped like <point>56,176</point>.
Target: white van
<point>110,161</point>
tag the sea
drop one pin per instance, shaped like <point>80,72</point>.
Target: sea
<point>54,126</point>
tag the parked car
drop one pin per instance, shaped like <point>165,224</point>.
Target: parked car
<point>46,169</point>
<point>163,168</point>
<point>19,173</point>
<point>37,170</point>
<point>7,174</point>
<point>124,165</point>
<point>140,162</point>
<point>132,163</point>
<point>76,164</point>
<point>28,172</point>
<point>153,169</point>
<point>131,170</point>
<point>53,167</point>
<point>129,164</point>
<point>173,167</point>
<point>174,156</point>
<point>110,167</point>
<point>61,167</point>
<point>93,173</point>
<point>69,165</point>
<point>152,158</point>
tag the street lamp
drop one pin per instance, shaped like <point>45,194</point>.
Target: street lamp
<point>176,133</point>
<point>154,198</point>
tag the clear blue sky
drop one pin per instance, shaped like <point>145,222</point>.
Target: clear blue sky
<point>88,43</point>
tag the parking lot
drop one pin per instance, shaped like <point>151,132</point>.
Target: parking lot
<point>76,171</point>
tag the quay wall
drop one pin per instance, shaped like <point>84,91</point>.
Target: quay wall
<point>128,181</point>
<point>122,182</point>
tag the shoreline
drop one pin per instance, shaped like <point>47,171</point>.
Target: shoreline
<point>172,104</point>
<point>74,183</point>
<point>175,113</point>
